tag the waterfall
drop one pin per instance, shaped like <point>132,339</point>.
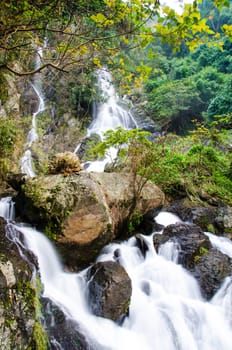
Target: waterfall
<point>26,160</point>
<point>7,210</point>
<point>167,310</point>
<point>107,114</point>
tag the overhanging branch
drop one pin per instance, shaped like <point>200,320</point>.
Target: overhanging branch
<point>38,70</point>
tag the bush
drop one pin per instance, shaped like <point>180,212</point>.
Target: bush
<point>8,133</point>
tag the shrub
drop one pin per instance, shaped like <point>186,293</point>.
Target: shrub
<point>8,134</point>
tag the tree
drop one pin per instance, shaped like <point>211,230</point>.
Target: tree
<point>76,31</point>
<point>222,103</point>
<point>89,33</point>
<point>174,104</point>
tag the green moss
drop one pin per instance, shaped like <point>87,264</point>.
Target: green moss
<point>49,231</point>
<point>4,89</point>
<point>39,338</point>
<point>210,228</point>
<point>134,221</point>
<point>202,251</point>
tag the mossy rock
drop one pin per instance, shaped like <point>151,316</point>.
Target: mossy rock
<point>19,298</point>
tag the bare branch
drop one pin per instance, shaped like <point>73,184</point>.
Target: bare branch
<point>38,70</point>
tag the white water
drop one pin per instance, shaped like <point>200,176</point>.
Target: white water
<point>7,210</point>
<point>26,160</point>
<point>167,310</point>
<point>108,114</point>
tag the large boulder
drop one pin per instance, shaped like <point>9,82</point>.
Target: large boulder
<point>208,265</point>
<point>109,290</point>
<point>84,211</point>
<point>19,324</point>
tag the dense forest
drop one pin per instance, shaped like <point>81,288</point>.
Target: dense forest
<point>175,68</point>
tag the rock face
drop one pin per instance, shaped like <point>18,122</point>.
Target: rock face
<point>19,327</point>
<point>83,211</point>
<point>109,290</point>
<point>213,219</point>
<point>196,254</point>
<point>12,103</point>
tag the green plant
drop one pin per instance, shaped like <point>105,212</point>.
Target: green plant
<point>8,134</point>
<point>134,220</point>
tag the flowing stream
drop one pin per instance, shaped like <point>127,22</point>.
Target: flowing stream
<point>26,160</point>
<point>107,114</point>
<point>167,310</point>
<point>7,210</point>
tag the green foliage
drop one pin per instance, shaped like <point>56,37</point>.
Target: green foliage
<point>8,132</point>
<point>8,137</point>
<point>191,85</point>
<point>123,140</point>
<point>181,166</point>
<point>134,221</point>
<point>4,90</point>
<point>222,103</point>
<point>174,104</point>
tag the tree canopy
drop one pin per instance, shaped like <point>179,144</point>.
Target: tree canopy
<point>92,33</point>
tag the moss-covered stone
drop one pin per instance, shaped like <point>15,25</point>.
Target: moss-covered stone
<point>83,211</point>
<point>19,299</point>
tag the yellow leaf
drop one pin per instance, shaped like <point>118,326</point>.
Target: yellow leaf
<point>97,62</point>
<point>121,61</point>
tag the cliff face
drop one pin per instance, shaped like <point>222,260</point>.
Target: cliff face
<point>59,127</point>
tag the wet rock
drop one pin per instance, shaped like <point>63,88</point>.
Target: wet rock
<point>16,180</point>
<point>180,209</point>
<point>224,221</point>
<point>217,220</point>
<point>63,332</point>
<point>208,265</point>
<point>18,298</point>
<point>148,224</point>
<point>83,212</point>
<point>109,290</point>
<point>205,218</point>
<point>210,270</point>
<point>142,244</point>
<point>190,238</point>
<point>87,144</point>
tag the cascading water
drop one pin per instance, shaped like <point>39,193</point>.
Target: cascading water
<point>26,160</point>
<point>108,114</point>
<point>167,310</point>
<point>7,210</point>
